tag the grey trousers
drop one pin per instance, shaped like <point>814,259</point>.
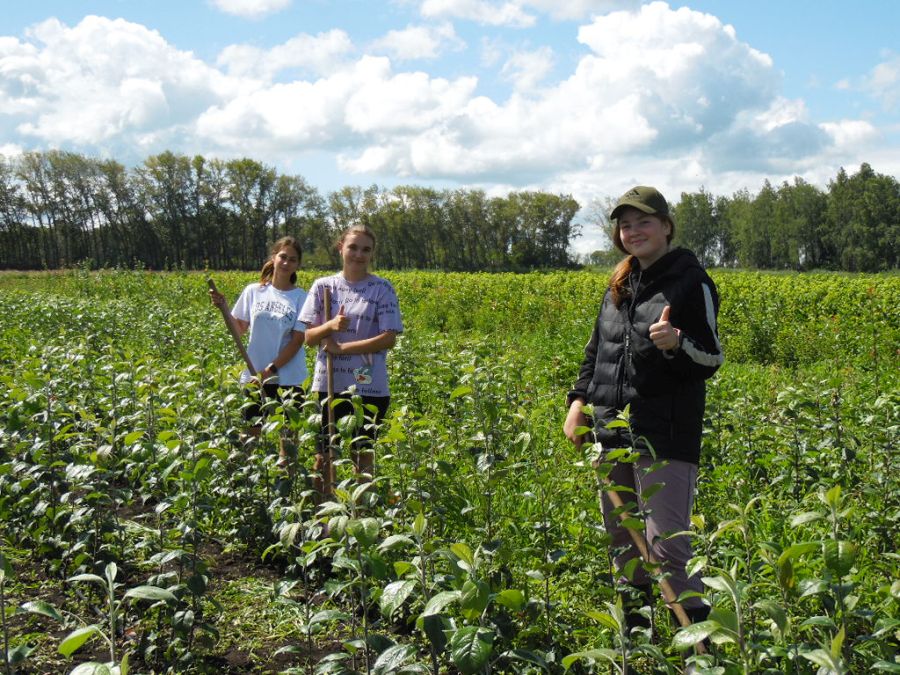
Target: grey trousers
<point>667,511</point>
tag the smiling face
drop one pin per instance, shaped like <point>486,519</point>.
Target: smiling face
<point>643,235</point>
<point>286,262</point>
<point>356,250</point>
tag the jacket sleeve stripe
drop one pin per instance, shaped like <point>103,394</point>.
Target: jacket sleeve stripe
<point>695,352</point>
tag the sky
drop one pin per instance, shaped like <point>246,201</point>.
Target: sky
<point>580,97</point>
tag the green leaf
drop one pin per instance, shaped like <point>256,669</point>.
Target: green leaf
<point>464,553</point>
<point>527,657</point>
<point>419,525</point>
<point>886,666</point>
<point>837,643</point>
<point>840,556</point>
<point>798,550</point>
<point>394,595</point>
<point>327,615</point>
<point>470,648</point>
<point>76,639</point>
<point>439,601</point>
<point>590,655</point>
<point>604,619</point>
<point>44,609</point>
<point>774,612</point>
<point>133,437</point>
<point>395,541</point>
<point>87,577</point>
<point>150,593</point>
<point>461,390</point>
<point>805,517</point>
<point>364,530</point>
<point>392,658</point>
<point>688,636</point>
<point>474,599</point>
<point>821,658</point>
<point>512,598</point>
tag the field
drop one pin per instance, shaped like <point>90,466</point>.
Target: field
<point>139,533</point>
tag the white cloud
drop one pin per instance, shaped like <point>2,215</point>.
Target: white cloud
<point>527,69</point>
<point>418,42</point>
<point>99,80</point>
<point>10,150</point>
<point>310,54</point>
<point>579,9</point>
<point>479,11</point>
<point>884,82</point>
<point>252,9</point>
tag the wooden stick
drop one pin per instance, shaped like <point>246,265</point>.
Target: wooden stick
<point>327,466</point>
<point>236,336</point>
<point>640,542</point>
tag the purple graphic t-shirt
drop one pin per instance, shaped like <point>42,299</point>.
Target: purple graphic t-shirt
<point>372,308</point>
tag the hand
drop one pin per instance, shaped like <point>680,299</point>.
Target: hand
<point>332,346</point>
<point>575,419</point>
<point>664,334</point>
<point>216,298</point>
<point>339,322</point>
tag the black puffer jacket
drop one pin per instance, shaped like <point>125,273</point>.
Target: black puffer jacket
<point>622,366</point>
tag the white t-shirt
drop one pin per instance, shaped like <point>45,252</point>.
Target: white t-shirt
<point>273,315</point>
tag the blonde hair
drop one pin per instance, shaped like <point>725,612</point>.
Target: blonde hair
<point>268,268</point>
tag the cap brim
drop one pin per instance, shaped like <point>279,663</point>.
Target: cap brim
<point>626,203</point>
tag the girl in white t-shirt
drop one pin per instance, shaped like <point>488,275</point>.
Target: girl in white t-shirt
<point>270,310</point>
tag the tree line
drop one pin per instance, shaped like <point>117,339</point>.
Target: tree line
<point>854,226</point>
<point>60,209</point>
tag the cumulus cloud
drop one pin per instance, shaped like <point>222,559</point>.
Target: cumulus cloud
<point>309,55</point>
<point>251,9</point>
<point>101,79</point>
<point>516,14</point>
<point>479,11</point>
<point>884,82</point>
<point>418,42</point>
<point>526,69</point>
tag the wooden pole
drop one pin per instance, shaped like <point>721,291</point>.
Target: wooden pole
<point>640,542</point>
<point>327,465</point>
<point>236,336</point>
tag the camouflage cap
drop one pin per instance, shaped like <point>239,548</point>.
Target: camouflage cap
<point>642,198</point>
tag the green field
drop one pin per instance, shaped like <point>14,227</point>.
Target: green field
<point>137,532</point>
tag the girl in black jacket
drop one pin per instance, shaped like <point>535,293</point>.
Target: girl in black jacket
<point>653,347</point>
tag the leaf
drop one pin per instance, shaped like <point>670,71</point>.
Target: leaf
<point>74,640</point>
<point>439,601</point>
<point>604,619</point>
<point>470,648</point>
<point>474,598</point>
<point>392,658</point>
<point>150,593</point>
<point>461,390</point>
<point>688,636</point>
<point>805,517</point>
<point>419,524</point>
<point>821,658</point>
<point>87,577</point>
<point>91,668</point>
<point>774,612</point>
<point>395,541</point>
<point>798,550</point>
<point>840,556</point>
<point>512,598</point>
<point>394,595</point>
<point>464,553</point>
<point>590,655</point>
<point>527,657</point>
<point>328,615</point>
<point>44,609</point>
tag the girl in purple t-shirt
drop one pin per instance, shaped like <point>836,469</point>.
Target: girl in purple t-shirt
<point>364,325</point>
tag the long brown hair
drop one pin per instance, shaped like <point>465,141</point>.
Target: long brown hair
<point>268,268</point>
<point>618,282</point>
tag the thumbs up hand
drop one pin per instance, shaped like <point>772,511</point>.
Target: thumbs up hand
<point>664,334</point>
<point>340,321</point>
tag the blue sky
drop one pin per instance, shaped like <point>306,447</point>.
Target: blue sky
<point>584,97</point>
